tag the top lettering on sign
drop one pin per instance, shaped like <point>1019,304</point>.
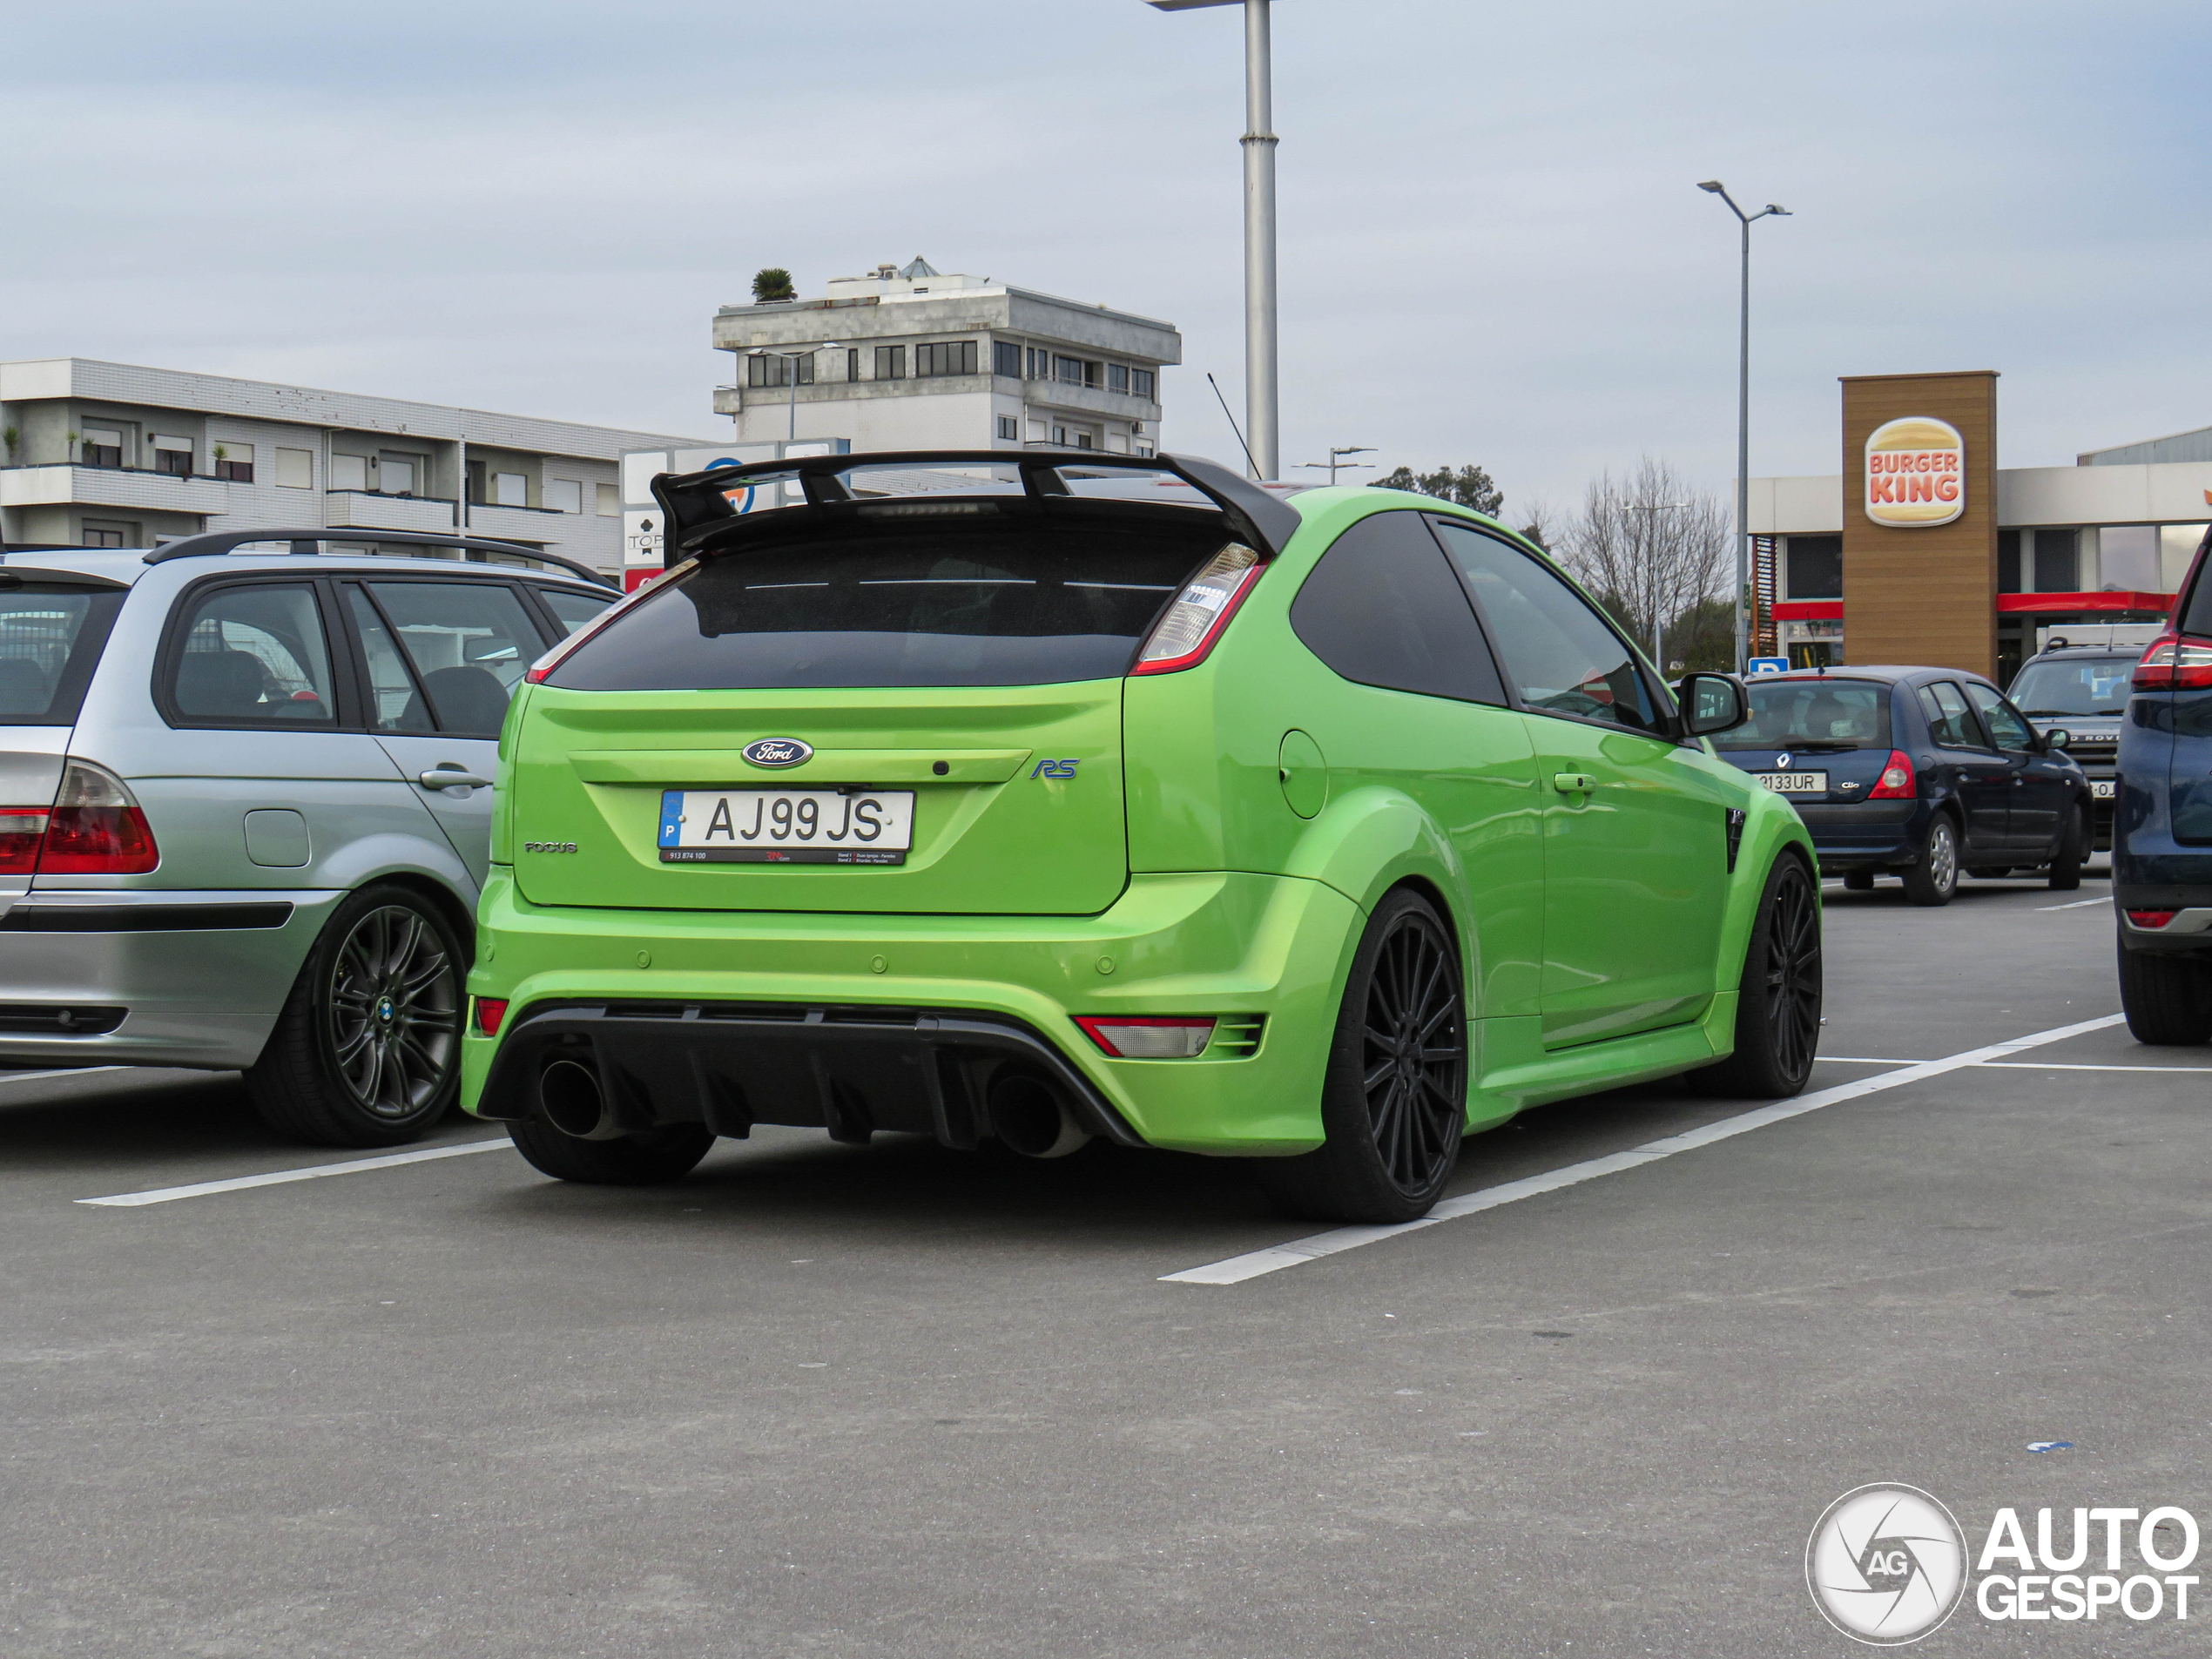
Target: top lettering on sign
<point>1916,473</point>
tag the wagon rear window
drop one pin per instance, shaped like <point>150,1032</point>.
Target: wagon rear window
<point>1021,605</point>
<point>49,643</point>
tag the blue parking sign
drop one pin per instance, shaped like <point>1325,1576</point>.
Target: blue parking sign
<point>1767,665</point>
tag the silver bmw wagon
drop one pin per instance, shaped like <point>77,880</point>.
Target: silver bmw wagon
<point>245,795</point>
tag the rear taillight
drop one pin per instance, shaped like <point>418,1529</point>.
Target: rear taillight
<point>1896,782</point>
<point>1129,1038</point>
<point>2173,663</point>
<point>491,1010</point>
<point>2150,918</point>
<point>535,675</point>
<point>95,827</point>
<point>1194,620</point>
<point>21,830</point>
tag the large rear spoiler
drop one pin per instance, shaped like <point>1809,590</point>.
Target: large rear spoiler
<point>695,505</point>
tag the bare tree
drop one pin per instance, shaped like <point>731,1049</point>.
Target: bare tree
<point>1655,551</point>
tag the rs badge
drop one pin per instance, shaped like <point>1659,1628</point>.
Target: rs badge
<point>1054,769</point>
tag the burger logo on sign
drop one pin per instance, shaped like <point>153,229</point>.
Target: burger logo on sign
<point>1916,473</point>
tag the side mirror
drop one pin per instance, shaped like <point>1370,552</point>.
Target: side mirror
<point>2057,738</point>
<point>1712,703</point>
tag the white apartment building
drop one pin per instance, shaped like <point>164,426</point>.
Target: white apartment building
<point>909,358</point>
<point>115,454</point>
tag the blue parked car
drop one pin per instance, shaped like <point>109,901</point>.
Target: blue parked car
<point>1918,772</point>
<point>2161,842</point>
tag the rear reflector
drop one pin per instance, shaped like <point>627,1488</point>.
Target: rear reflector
<point>1896,782</point>
<point>2174,664</point>
<point>1125,1038</point>
<point>2150,919</point>
<point>1195,618</point>
<point>491,1010</point>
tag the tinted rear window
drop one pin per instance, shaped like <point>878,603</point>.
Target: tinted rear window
<point>1786,714</point>
<point>2073,686</point>
<point>1015,606</point>
<point>49,643</point>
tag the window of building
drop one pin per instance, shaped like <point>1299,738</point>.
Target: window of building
<point>1816,567</point>
<point>348,472</point>
<point>295,468</point>
<point>2126,557</point>
<point>2058,562</point>
<point>564,495</point>
<point>1076,371</point>
<point>1036,432</point>
<point>1006,359</point>
<point>172,455</point>
<point>768,369</point>
<point>1083,441</point>
<point>1008,429</point>
<point>234,461</point>
<point>1060,434</point>
<point>1040,364</point>
<point>108,533</point>
<point>1141,382</point>
<point>944,357</point>
<point>510,489</point>
<point>1117,377</point>
<point>610,500</point>
<point>1144,448</point>
<point>101,447</point>
<point>891,362</point>
<point>400,475</point>
<point>2008,561</point>
<point>853,363</point>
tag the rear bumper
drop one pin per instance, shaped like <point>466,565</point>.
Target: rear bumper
<point>1866,835</point>
<point>150,977</point>
<point>863,1022</point>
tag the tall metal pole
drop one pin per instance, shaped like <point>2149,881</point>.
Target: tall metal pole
<point>1261,408</point>
<point>1743,458</point>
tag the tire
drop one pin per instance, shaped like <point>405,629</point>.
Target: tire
<point>1778,1008</point>
<point>1858,881</point>
<point>368,1049</point>
<point>2072,853</point>
<point>642,1160</point>
<point>1393,1098</point>
<point>1934,878</point>
<point>2168,999</point>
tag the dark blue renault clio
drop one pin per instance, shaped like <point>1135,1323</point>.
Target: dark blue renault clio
<point>1918,772</point>
<point>2161,841</point>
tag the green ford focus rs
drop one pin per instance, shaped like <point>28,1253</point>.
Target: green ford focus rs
<point>1016,796</point>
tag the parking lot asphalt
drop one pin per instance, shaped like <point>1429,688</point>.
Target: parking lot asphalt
<point>821,1399</point>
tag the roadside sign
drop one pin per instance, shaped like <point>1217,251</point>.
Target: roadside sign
<point>1767,665</point>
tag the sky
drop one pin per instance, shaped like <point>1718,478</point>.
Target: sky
<point>1492,249</point>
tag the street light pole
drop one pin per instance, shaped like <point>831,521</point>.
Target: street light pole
<point>1742,414</point>
<point>791,373</point>
<point>1263,424</point>
<point>1336,463</point>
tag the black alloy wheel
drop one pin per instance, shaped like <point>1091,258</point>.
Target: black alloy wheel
<point>1934,879</point>
<point>1394,1101</point>
<point>1778,999</point>
<point>368,1049</point>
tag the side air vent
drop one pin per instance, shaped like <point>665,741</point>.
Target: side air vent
<point>1236,1036</point>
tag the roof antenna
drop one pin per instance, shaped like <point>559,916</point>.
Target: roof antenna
<point>1233,426</point>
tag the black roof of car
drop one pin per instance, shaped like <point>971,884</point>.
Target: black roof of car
<point>1889,672</point>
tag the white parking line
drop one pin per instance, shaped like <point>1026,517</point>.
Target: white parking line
<point>1865,1060</point>
<point>2078,904</point>
<point>2041,1065</point>
<point>1237,1269</point>
<point>278,1178</point>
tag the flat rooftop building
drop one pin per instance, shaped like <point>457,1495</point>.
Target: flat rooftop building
<point>909,358</point>
<point>115,454</point>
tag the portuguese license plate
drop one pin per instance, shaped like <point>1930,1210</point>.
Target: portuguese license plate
<point>2103,788</point>
<point>786,825</point>
<point>1795,783</point>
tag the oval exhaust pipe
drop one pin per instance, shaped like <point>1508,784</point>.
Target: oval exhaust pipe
<point>1030,1118</point>
<point>574,1104</point>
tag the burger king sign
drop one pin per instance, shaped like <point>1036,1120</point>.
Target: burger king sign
<point>1916,473</point>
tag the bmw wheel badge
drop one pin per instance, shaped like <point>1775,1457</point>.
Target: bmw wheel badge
<point>778,752</point>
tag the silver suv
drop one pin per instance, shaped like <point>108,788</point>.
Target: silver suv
<point>246,806</point>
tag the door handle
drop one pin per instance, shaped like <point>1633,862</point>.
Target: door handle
<point>452,778</point>
<point>1573,782</point>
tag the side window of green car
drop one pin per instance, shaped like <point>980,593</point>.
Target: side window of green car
<point>1383,607</point>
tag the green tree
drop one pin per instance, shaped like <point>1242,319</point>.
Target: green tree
<point>1468,487</point>
<point>772,283</point>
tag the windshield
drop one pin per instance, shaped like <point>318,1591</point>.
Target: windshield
<point>2073,686</point>
<point>50,642</point>
<point>1807,714</point>
<point>1015,605</point>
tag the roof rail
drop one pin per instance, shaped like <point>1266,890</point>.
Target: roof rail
<point>307,542</point>
<point>696,500</point>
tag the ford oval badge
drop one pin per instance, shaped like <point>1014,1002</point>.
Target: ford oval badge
<point>779,751</point>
